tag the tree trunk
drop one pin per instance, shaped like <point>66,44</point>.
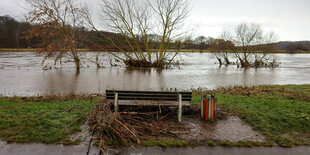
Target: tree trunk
<point>77,64</point>
<point>227,60</point>
<point>76,61</point>
<point>220,61</point>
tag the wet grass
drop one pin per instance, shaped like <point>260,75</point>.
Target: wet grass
<point>42,119</point>
<point>165,143</point>
<point>244,143</point>
<point>281,113</point>
<point>210,143</point>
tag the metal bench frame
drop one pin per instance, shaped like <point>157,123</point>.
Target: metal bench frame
<point>182,98</point>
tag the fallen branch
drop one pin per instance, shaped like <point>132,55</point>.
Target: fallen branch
<point>138,140</point>
<point>128,127</point>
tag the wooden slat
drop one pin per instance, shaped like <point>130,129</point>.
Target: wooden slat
<point>146,92</point>
<point>148,95</point>
<point>150,98</point>
<point>151,103</point>
<point>143,98</point>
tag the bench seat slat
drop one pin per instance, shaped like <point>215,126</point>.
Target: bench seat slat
<point>152,103</point>
<point>151,98</point>
<point>148,95</point>
<point>146,92</point>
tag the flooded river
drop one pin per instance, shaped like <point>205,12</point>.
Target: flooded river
<point>21,74</point>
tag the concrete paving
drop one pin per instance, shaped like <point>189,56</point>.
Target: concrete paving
<point>218,150</point>
<point>44,149</point>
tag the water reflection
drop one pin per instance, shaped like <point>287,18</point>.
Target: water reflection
<point>59,82</point>
<point>21,74</point>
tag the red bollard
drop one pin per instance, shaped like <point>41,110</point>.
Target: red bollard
<point>208,108</point>
<point>203,108</point>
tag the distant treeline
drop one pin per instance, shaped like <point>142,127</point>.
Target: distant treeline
<point>293,47</point>
<point>13,35</point>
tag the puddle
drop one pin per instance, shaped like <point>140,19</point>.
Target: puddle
<point>84,136</point>
<point>231,128</point>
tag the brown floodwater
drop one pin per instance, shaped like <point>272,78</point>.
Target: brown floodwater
<point>21,74</point>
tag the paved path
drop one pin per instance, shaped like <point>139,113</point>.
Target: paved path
<point>218,150</point>
<point>43,149</point>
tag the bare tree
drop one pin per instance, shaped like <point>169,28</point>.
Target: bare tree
<point>209,40</point>
<point>222,49</point>
<point>252,45</point>
<point>249,45</point>
<point>135,20</point>
<point>263,49</point>
<point>188,42</point>
<point>55,21</point>
<point>201,42</point>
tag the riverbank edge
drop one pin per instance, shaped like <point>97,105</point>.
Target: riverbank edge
<point>182,51</point>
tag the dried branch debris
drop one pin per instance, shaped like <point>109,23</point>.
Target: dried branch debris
<point>129,127</point>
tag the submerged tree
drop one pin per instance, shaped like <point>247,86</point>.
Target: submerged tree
<point>251,46</point>
<point>135,20</point>
<point>56,22</point>
<point>223,49</point>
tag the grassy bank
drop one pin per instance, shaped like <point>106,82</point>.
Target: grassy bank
<point>42,119</point>
<point>281,113</point>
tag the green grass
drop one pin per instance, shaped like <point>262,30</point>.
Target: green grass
<point>245,143</point>
<point>35,119</point>
<point>281,113</point>
<point>165,143</point>
<point>210,143</point>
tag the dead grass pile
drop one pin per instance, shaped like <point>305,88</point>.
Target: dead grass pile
<point>47,98</point>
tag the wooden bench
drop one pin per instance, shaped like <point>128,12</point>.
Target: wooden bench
<point>150,98</point>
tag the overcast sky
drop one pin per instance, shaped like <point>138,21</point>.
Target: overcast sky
<point>289,19</point>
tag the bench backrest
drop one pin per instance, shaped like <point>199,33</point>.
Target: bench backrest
<point>148,95</point>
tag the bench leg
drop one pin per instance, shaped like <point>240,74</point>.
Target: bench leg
<point>180,108</point>
<point>116,102</point>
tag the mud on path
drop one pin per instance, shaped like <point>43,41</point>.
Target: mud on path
<point>230,128</point>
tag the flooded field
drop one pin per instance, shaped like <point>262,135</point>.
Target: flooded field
<point>21,74</point>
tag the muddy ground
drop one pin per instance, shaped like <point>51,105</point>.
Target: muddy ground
<point>230,128</point>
